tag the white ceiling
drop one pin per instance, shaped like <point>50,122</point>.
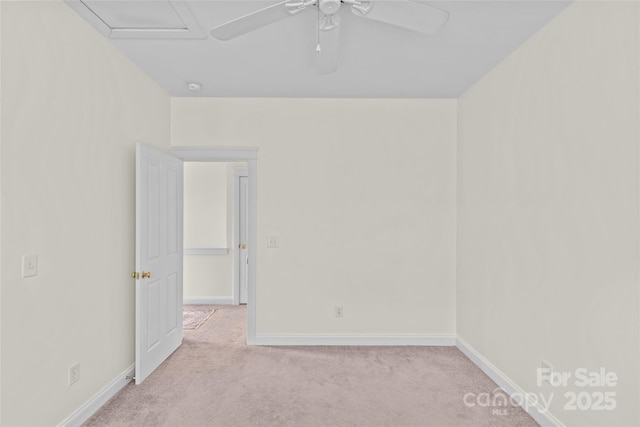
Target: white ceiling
<point>375,60</point>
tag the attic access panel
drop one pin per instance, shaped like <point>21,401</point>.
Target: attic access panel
<point>125,15</point>
<point>140,19</point>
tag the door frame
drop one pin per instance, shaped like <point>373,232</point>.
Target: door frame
<point>236,154</point>
<point>237,173</point>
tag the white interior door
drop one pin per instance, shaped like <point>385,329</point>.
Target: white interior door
<point>244,237</point>
<point>159,205</point>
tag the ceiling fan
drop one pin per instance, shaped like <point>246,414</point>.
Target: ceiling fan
<point>401,13</point>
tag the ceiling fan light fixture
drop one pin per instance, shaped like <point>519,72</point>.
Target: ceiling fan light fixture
<point>329,7</point>
<point>328,23</point>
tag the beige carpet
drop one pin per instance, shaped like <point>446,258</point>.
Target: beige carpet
<point>215,380</point>
<point>193,316</point>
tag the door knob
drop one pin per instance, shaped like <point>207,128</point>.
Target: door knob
<point>243,246</point>
<point>145,275</point>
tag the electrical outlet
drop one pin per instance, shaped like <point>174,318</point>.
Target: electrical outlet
<point>74,373</point>
<point>29,265</point>
<point>338,311</point>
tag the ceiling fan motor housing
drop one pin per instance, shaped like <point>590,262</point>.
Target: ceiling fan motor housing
<point>329,6</point>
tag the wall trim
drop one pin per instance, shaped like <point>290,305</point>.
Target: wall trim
<point>214,153</point>
<point>206,251</point>
<point>85,412</point>
<point>208,300</point>
<point>356,340</point>
<point>506,384</point>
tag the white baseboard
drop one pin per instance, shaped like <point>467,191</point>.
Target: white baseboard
<point>208,300</point>
<point>85,412</point>
<point>545,419</point>
<point>346,340</point>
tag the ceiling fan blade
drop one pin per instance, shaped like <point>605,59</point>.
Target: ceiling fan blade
<point>406,14</point>
<point>329,43</point>
<point>253,21</point>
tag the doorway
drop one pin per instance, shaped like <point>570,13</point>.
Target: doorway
<point>248,156</point>
<point>159,246</point>
<point>216,232</point>
<point>208,216</point>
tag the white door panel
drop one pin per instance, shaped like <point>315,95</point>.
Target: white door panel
<point>244,238</point>
<point>159,188</point>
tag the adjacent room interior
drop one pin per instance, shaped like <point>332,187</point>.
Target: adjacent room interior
<point>215,232</point>
<point>477,189</point>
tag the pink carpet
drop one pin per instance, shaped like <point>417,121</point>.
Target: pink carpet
<point>215,380</point>
<point>193,316</point>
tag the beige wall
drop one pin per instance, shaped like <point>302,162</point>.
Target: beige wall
<point>361,194</point>
<point>1,268</point>
<point>206,225</point>
<point>208,278</point>
<point>205,205</point>
<point>548,207</point>
<point>72,109</point>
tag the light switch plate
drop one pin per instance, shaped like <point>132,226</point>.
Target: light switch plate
<point>273,242</point>
<point>29,265</point>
